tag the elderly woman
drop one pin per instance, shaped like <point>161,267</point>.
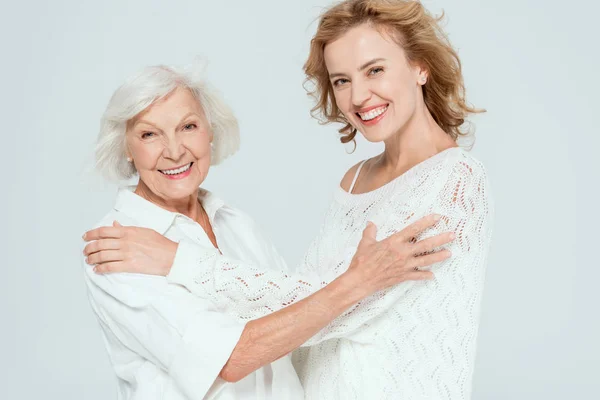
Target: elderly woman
<point>164,342</point>
<point>384,69</point>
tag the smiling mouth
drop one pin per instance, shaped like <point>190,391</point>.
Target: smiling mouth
<point>372,114</point>
<point>176,171</point>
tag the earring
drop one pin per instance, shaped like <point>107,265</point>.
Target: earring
<point>129,159</point>
<point>423,80</point>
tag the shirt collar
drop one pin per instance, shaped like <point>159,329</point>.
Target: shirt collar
<point>211,203</point>
<point>152,216</point>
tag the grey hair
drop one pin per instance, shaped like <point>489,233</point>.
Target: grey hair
<point>143,89</point>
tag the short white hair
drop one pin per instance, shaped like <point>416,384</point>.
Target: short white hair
<point>142,90</point>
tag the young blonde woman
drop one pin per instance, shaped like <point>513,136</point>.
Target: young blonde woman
<point>384,69</point>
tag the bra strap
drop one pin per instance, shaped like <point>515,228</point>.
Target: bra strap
<point>356,176</point>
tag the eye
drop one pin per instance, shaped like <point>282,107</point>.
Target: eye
<point>375,70</point>
<point>340,81</point>
<point>147,135</point>
<point>189,127</point>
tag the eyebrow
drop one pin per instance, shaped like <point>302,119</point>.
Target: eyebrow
<point>362,67</point>
<point>142,121</point>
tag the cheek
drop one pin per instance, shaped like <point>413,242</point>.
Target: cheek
<point>146,156</point>
<point>400,93</point>
<point>343,101</point>
<point>198,144</point>
<point>202,166</point>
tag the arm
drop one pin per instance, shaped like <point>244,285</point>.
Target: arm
<point>271,337</point>
<point>249,292</point>
<point>459,195</point>
<point>168,325</point>
<point>373,268</point>
<point>183,335</point>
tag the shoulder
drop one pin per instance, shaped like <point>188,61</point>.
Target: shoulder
<point>253,245</point>
<point>107,220</point>
<point>467,177</point>
<point>110,217</point>
<point>350,174</point>
<point>466,165</point>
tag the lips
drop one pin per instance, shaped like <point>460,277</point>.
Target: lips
<point>372,113</point>
<point>370,116</point>
<point>176,171</point>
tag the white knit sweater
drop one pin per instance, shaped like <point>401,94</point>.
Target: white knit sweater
<point>414,341</point>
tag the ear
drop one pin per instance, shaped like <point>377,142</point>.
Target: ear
<point>128,154</point>
<point>422,75</point>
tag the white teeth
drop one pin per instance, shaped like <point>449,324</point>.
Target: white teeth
<point>177,170</point>
<point>373,113</point>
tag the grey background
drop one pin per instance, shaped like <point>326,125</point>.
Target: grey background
<point>532,64</point>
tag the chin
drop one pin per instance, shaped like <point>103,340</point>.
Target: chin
<point>181,189</point>
<point>376,136</point>
<point>181,194</point>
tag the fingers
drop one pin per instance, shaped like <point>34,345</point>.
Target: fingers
<point>104,232</point>
<point>429,259</point>
<point>427,245</point>
<point>413,230</point>
<point>370,233</point>
<point>418,276</point>
<point>104,257</point>
<point>99,245</point>
<point>109,267</point>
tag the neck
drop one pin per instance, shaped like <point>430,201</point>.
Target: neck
<point>418,140</point>
<point>188,206</point>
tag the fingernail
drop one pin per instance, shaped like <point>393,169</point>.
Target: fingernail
<point>96,269</point>
<point>452,236</point>
<point>437,217</point>
<point>83,236</point>
<point>87,261</point>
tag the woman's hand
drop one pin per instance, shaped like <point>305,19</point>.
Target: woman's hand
<point>120,248</point>
<point>398,258</point>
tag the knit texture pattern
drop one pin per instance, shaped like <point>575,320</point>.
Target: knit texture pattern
<point>414,341</point>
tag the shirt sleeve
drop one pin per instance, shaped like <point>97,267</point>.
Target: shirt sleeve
<point>186,336</point>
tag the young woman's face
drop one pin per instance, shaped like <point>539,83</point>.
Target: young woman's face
<point>375,86</point>
<point>169,143</point>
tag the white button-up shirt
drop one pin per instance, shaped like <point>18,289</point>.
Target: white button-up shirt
<point>163,341</point>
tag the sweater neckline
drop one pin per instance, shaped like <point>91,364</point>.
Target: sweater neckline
<point>343,195</point>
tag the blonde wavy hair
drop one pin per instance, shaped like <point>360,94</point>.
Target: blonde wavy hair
<point>423,41</point>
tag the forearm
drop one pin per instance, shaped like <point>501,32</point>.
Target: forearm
<point>271,337</point>
<point>245,290</point>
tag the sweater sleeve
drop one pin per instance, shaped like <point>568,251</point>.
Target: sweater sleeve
<point>251,283</point>
<point>251,291</point>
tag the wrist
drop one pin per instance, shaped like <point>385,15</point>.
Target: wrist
<point>170,259</point>
<point>350,287</point>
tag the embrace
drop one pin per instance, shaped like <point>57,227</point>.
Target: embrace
<point>194,302</point>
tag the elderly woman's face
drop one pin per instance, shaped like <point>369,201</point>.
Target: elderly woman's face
<point>169,143</point>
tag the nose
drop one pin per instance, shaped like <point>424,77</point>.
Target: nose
<point>174,148</point>
<point>361,93</point>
